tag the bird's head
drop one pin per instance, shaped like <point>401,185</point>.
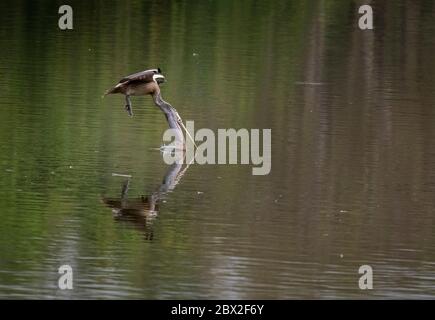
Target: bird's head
<point>157,76</point>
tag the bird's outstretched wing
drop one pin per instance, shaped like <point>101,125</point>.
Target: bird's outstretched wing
<point>142,76</point>
<point>146,76</point>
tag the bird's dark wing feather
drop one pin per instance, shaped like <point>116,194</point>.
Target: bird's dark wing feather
<point>145,76</point>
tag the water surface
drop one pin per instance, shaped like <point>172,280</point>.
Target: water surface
<point>353,171</point>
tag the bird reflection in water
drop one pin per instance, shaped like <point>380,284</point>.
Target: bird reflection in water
<point>140,212</point>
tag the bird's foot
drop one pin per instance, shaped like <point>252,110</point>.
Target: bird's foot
<point>129,110</point>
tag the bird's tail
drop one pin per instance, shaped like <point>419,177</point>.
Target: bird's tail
<point>112,91</point>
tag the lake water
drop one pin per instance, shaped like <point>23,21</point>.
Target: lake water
<point>353,153</point>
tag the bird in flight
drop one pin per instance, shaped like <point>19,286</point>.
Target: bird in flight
<point>148,83</point>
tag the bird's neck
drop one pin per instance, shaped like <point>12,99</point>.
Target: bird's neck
<point>172,117</point>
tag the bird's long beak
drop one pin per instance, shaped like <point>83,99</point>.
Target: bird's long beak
<point>188,133</point>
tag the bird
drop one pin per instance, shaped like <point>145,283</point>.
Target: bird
<point>138,84</point>
<point>148,82</point>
